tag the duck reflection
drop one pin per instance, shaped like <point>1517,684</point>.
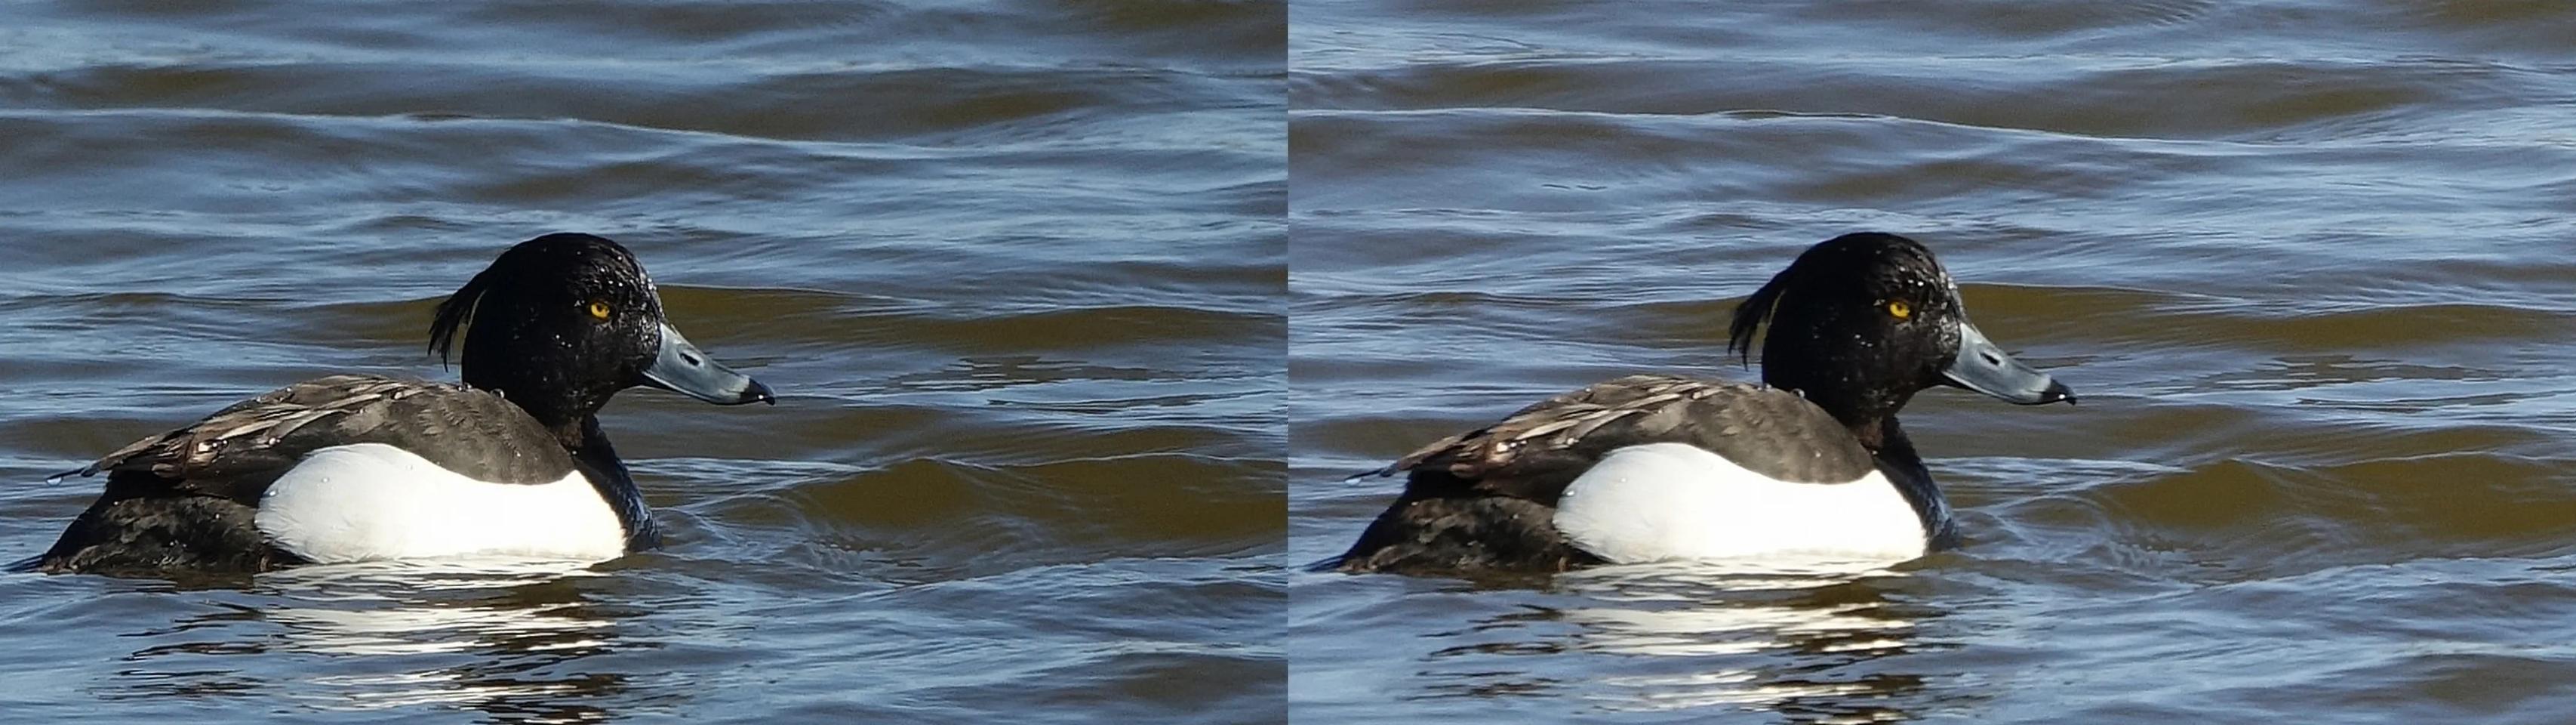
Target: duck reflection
<point>502,637</point>
<point>1804,642</point>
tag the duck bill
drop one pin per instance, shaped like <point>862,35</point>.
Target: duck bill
<point>683,368</point>
<point>1985,368</point>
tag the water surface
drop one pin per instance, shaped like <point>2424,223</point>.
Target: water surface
<point>2306,261</point>
<point>1015,270</point>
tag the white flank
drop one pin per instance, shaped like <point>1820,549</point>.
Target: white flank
<point>1676,501</point>
<point>373,502</point>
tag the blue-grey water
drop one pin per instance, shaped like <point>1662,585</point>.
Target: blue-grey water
<point>1022,273</point>
<point>2307,260</point>
<point>1015,270</point>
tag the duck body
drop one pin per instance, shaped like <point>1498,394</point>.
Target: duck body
<point>1811,464</point>
<point>348,468</point>
<point>1652,467</point>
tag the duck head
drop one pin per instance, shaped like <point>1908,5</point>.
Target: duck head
<point>1862,322</point>
<point>562,322</point>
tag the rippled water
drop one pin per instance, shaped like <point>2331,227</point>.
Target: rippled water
<point>1014,268</point>
<point>2307,261</point>
<point>1018,271</point>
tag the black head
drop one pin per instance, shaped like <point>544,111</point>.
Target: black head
<point>564,321</point>
<point>1862,322</point>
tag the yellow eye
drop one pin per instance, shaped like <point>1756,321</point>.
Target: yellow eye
<point>1899,310</point>
<point>599,309</point>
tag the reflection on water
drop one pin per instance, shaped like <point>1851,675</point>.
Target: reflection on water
<point>1779,638</point>
<point>1772,641</point>
<point>503,637</point>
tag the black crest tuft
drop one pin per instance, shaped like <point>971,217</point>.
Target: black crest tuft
<point>454,312</point>
<point>541,263</point>
<point>1870,258</point>
<point>1751,312</point>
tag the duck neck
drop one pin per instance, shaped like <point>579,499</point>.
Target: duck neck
<point>1904,468</point>
<point>598,462</point>
<point>558,399</point>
